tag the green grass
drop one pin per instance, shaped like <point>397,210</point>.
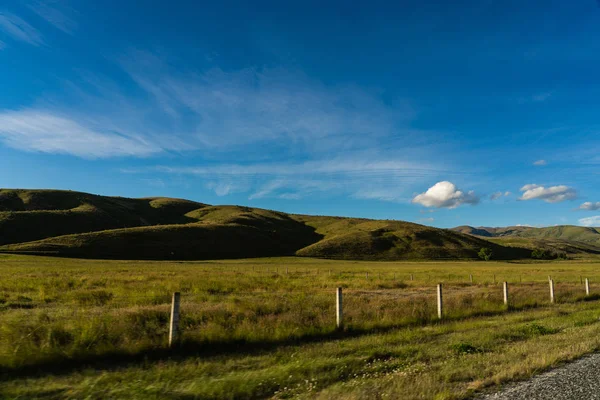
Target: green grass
<point>257,328</point>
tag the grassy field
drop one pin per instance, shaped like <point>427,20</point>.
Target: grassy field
<point>262,328</point>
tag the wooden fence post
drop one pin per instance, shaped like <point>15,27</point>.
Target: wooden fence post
<point>471,278</point>
<point>338,308</point>
<point>505,291</point>
<point>439,301</point>
<point>174,323</point>
<point>551,291</point>
<point>587,287</point>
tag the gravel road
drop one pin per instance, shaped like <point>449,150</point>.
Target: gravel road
<point>579,380</point>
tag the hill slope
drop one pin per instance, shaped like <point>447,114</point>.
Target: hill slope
<point>348,238</point>
<point>27,215</point>
<point>566,238</point>
<point>76,224</point>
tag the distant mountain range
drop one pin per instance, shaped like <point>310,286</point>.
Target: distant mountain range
<point>566,238</point>
<point>74,224</point>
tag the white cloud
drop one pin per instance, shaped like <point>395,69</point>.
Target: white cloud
<point>445,195</point>
<point>19,29</point>
<point>426,220</point>
<point>589,206</point>
<point>507,193</point>
<point>34,130</point>
<point>590,221</point>
<point>552,194</point>
<point>56,13</point>
<point>540,163</point>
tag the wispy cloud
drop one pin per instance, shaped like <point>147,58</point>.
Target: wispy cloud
<point>552,194</point>
<point>290,196</point>
<point>325,139</point>
<point>158,183</point>
<point>445,195</point>
<point>221,188</point>
<point>540,163</point>
<point>589,206</point>
<point>221,112</point>
<point>540,97</point>
<point>35,130</point>
<point>353,174</point>
<point>590,221</point>
<point>358,165</point>
<point>19,29</point>
<point>375,191</point>
<point>55,12</point>
<point>230,108</point>
<point>497,195</point>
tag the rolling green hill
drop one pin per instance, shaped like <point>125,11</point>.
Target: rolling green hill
<point>74,224</point>
<point>27,215</point>
<point>351,238</point>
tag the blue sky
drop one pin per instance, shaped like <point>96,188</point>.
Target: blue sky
<point>442,113</point>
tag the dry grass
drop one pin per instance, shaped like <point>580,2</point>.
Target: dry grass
<point>265,327</point>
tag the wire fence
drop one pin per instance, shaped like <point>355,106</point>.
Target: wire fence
<point>97,320</point>
<point>368,303</point>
